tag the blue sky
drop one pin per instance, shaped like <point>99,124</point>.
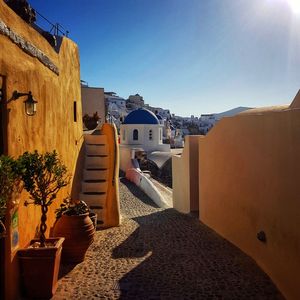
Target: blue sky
<point>191,56</point>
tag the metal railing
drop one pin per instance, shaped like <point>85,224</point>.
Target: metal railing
<point>56,29</point>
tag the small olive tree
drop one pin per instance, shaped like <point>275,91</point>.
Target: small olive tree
<point>43,176</point>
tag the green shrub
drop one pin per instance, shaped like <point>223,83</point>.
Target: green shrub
<point>72,208</point>
<point>9,180</point>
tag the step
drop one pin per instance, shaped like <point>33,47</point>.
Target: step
<point>91,187</point>
<point>100,149</point>
<point>99,223</point>
<point>95,139</point>
<point>96,162</point>
<point>93,199</point>
<point>95,174</point>
<point>100,213</point>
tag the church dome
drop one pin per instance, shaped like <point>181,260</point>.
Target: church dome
<point>141,116</point>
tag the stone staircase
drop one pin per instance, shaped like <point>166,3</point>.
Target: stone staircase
<point>94,186</point>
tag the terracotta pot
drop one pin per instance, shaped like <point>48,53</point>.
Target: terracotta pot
<point>79,235</point>
<point>93,217</point>
<point>39,269</point>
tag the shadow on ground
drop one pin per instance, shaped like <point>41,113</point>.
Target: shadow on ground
<point>187,260</point>
<point>138,193</point>
<point>65,269</point>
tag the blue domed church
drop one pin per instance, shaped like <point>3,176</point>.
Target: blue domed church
<point>142,129</point>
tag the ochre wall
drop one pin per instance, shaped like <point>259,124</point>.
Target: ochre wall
<point>52,127</point>
<point>93,101</point>
<point>185,177</point>
<point>181,179</point>
<point>194,173</point>
<point>112,217</point>
<point>249,181</point>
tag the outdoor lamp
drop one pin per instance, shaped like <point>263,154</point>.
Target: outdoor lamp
<point>30,103</point>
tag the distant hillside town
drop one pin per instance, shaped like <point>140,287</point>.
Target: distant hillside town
<point>175,128</point>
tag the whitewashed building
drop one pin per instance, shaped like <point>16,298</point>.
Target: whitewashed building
<point>141,128</point>
<point>116,105</point>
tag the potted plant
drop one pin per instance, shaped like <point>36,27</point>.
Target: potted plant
<point>9,183</point>
<point>91,122</point>
<point>43,176</point>
<point>73,223</point>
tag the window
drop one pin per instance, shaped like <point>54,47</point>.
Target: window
<point>160,134</point>
<point>75,111</point>
<point>124,134</point>
<point>135,134</point>
<point>150,134</point>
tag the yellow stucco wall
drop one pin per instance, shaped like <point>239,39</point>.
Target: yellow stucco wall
<point>194,173</point>
<point>185,177</point>
<point>112,217</point>
<point>181,179</point>
<point>93,101</point>
<point>53,126</point>
<point>249,181</point>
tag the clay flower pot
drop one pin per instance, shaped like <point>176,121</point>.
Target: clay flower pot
<point>39,268</point>
<point>93,217</point>
<point>78,231</point>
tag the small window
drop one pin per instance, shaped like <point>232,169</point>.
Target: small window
<point>160,134</point>
<point>135,134</point>
<point>75,111</point>
<point>124,134</point>
<point>150,134</point>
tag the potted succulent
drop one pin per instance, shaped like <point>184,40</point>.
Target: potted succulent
<point>43,176</point>
<point>91,122</point>
<point>73,223</point>
<point>9,182</point>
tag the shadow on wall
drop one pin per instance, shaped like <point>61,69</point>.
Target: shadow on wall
<point>78,174</point>
<point>187,260</point>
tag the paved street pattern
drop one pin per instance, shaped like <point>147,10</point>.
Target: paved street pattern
<point>162,254</point>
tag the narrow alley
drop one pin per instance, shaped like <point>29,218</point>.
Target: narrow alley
<point>162,254</point>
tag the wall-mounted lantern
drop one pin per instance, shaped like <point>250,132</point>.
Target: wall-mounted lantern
<point>30,103</point>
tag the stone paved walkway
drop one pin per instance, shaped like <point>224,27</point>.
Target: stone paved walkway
<point>162,254</point>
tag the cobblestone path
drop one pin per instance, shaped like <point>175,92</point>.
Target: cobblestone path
<point>162,254</point>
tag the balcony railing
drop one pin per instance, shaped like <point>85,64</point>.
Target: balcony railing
<point>55,29</point>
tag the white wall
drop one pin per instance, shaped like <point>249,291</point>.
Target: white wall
<point>141,180</point>
<point>126,134</point>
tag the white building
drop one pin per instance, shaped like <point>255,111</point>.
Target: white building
<point>164,113</point>
<point>113,98</point>
<point>116,105</point>
<point>142,129</point>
